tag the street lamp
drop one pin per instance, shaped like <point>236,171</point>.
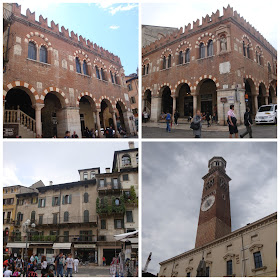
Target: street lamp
<point>27,228</point>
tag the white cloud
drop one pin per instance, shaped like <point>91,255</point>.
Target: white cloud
<point>113,9</point>
<point>9,176</point>
<point>114,27</point>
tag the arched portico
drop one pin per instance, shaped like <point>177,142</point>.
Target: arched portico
<point>184,100</point>
<point>262,97</point>
<point>251,96</point>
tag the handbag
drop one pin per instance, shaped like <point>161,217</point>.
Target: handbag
<point>195,126</point>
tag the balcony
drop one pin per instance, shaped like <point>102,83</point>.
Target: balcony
<point>60,222</point>
<point>110,188</point>
<point>8,222</point>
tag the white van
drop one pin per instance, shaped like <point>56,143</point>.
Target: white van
<point>267,114</point>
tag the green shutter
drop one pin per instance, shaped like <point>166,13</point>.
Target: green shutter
<point>119,182</point>
<point>70,198</point>
<point>44,202</point>
<point>115,222</point>
<point>105,182</point>
<point>63,199</point>
<point>98,183</point>
<point>53,201</point>
<point>59,198</point>
<point>122,223</point>
<point>39,203</point>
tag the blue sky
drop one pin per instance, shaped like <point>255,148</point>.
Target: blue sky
<point>111,26</point>
<point>25,163</point>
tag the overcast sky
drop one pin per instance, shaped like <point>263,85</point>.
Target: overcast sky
<point>172,189</point>
<point>28,162</point>
<point>178,14</point>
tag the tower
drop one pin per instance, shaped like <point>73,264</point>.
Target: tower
<point>214,218</point>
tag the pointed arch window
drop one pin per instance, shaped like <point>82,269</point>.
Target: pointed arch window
<point>116,79</point>
<point>210,51</point>
<point>164,63</point>
<point>78,65</point>
<point>147,69</point>
<point>97,72</point>
<point>43,54</point>
<point>187,56</point>
<point>112,77</point>
<point>201,50</point>
<point>169,61</point>
<point>102,74</point>
<point>244,49</point>
<point>85,69</point>
<point>248,51</point>
<point>144,70</point>
<point>269,67</point>
<point>180,57</point>
<point>32,50</point>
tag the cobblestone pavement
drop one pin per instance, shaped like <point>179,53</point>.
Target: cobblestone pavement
<point>157,130</point>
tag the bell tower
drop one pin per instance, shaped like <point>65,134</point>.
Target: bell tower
<point>214,218</point>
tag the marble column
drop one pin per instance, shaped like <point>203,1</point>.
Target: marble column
<point>266,100</point>
<point>38,108</point>
<point>115,124</point>
<point>174,106</point>
<point>194,104</point>
<point>100,135</point>
<point>255,104</point>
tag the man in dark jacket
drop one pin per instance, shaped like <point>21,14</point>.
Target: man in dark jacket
<point>248,123</point>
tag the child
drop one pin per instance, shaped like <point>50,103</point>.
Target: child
<point>76,264</point>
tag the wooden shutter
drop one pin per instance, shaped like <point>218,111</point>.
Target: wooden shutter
<point>115,223</point>
<point>122,223</point>
<point>53,201</point>
<point>63,199</point>
<point>70,198</point>
<point>39,203</point>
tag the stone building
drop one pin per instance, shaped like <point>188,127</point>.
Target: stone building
<point>56,81</point>
<point>220,61</point>
<point>248,251</point>
<point>132,87</point>
<point>74,217</point>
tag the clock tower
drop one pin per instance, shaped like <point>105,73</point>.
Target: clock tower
<point>214,218</point>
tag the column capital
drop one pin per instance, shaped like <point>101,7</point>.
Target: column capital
<point>38,106</point>
<point>98,110</point>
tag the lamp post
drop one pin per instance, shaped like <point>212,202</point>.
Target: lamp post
<point>27,228</point>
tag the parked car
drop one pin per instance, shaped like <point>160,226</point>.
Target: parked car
<point>267,114</point>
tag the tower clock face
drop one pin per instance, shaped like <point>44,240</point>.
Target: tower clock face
<point>208,203</point>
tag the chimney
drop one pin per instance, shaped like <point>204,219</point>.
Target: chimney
<point>51,182</point>
<point>107,170</point>
<point>131,145</point>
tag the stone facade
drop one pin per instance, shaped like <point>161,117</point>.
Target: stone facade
<point>220,61</point>
<point>60,81</point>
<point>70,217</point>
<point>132,87</point>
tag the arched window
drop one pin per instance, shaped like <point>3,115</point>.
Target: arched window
<point>33,216</point>
<point>137,158</point>
<point>102,74</point>
<point>269,67</point>
<point>78,65</point>
<point>144,70</point>
<point>180,58</point>
<point>244,49</point>
<point>43,54</point>
<point>86,197</point>
<point>85,70</point>
<point>210,51</point>
<point>117,202</point>
<point>32,51</point>
<point>147,69</point>
<point>187,56</point>
<point>248,51</point>
<point>164,63</point>
<point>169,61</point>
<point>126,160</point>
<point>257,57</point>
<point>112,77</point>
<point>66,216</point>
<point>86,216</point>
<point>116,79</point>
<point>97,72</point>
<point>201,50</point>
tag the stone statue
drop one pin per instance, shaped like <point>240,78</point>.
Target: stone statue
<point>201,269</point>
<point>223,41</point>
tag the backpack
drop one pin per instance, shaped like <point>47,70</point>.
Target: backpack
<point>168,117</point>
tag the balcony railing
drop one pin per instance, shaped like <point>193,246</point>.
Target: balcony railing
<point>8,221</point>
<point>55,238</point>
<point>110,187</point>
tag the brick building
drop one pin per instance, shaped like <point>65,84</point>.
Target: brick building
<point>220,61</point>
<point>132,87</point>
<point>248,251</point>
<point>79,217</point>
<point>55,80</point>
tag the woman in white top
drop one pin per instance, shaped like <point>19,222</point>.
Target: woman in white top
<point>44,266</point>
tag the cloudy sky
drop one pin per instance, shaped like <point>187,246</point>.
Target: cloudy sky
<point>172,189</point>
<point>178,14</point>
<point>113,26</point>
<point>25,163</point>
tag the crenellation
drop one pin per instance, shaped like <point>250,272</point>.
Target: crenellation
<point>54,27</point>
<point>43,21</point>
<point>30,16</point>
<point>74,37</point>
<point>82,40</point>
<point>89,44</point>
<point>17,9</point>
<point>196,24</point>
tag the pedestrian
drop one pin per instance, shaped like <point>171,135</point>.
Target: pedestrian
<point>168,121</point>
<point>8,272</point>
<point>196,124</point>
<point>104,261</point>
<point>69,265</point>
<point>145,116</point>
<point>232,122</point>
<point>50,274</point>
<point>76,264</point>
<point>74,135</point>
<point>17,272</point>
<point>44,266</point>
<point>59,265</point>
<point>67,134</point>
<point>208,118</point>
<point>176,117</point>
<point>12,262</point>
<point>32,258</point>
<point>248,123</point>
<point>19,263</point>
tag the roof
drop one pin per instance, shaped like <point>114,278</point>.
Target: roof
<point>89,169</point>
<point>239,231</point>
<point>68,185</point>
<point>131,78</point>
<point>120,152</point>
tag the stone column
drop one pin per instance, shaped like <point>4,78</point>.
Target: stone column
<point>266,100</point>
<point>174,106</point>
<point>115,124</point>
<point>194,104</point>
<point>38,108</point>
<point>255,104</point>
<point>98,123</point>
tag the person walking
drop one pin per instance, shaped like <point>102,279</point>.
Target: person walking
<point>8,272</point>
<point>145,116</point>
<point>44,265</point>
<point>19,263</point>
<point>168,121</point>
<point>76,264</point>
<point>176,117</point>
<point>104,261</point>
<point>197,124</point>
<point>69,265</point>
<point>232,122</point>
<point>59,265</point>
<point>67,134</point>
<point>248,123</point>
<point>208,118</point>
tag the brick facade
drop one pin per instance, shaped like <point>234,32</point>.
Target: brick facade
<point>207,63</point>
<point>59,76</point>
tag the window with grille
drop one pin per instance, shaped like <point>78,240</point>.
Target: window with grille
<point>85,70</point>
<point>32,51</point>
<point>258,259</point>
<point>201,50</point>
<point>43,54</point>
<point>187,56</point>
<point>78,65</point>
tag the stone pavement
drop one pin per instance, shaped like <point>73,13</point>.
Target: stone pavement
<point>157,130</point>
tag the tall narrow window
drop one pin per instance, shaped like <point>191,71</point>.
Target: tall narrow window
<point>229,268</point>
<point>269,67</point>
<point>244,49</point>
<point>43,54</point>
<point>201,50</point>
<point>147,69</point>
<point>116,79</point>
<point>248,51</point>
<point>258,259</point>
<point>257,57</point>
<point>187,56</point>
<point>112,77</point>
<point>78,65</point>
<point>85,70</point>
<point>180,57</point>
<point>86,216</point>
<point>33,217</point>
<point>169,61</point>
<point>144,70</point>
<point>32,51</point>
<point>210,48</point>
<point>66,216</point>
<point>86,197</point>
<point>97,72</point>
<point>102,74</point>
<point>164,63</point>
